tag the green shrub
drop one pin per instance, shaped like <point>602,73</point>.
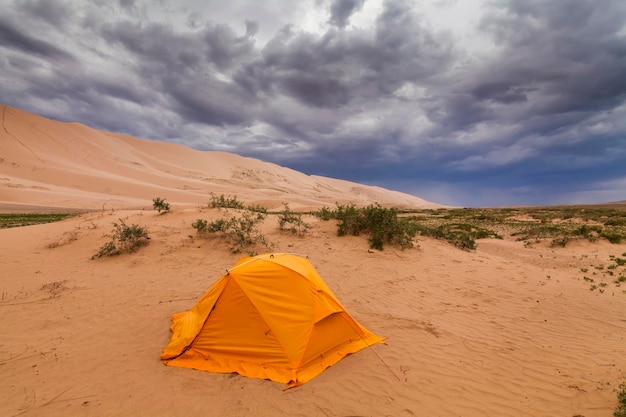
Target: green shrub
<point>620,409</point>
<point>382,225</point>
<point>324,213</point>
<point>241,232</point>
<point>160,205</point>
<point>288,220</point>
<point>612,236</point>
<point>350,221</point>
<point>220,225</point>
<point>538,232</point>
<point>560,242</point>
<point>124,239</point>
<point>257,208</point>
<point>225,202</point>
<point>461,235</point>
<point>200,225</point>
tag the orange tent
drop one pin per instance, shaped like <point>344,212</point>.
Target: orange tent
<point>270,316</point>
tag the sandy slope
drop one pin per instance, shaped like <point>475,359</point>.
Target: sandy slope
<point>503,331</point>
<point>45,162</point>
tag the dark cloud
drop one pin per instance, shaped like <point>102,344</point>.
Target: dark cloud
<point>559,66</point>
<point>17,39</point>
<point>535,115</point>
<point>127,4</point>
<point>569,55</point>
<point>54,13</point>
<point>252,28</point>
<point>186,67</point>
<point>341,10</point>
<point>332,70</point>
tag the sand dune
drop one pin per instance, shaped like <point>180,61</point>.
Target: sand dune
<point>506,330</point>
<point>50,163</point>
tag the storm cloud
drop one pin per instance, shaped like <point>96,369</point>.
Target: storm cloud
<point>503,102</point>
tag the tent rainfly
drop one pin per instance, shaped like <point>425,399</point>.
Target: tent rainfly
<point>270,316</point>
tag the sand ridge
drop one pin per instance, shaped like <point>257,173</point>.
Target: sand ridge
<point>50,163</point>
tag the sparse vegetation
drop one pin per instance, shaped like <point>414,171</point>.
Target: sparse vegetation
<point>382,225</point>
<point>614,272</point>
<point>222,201</point>
<point>160,205</point>
<point>324,213</point>
<point>124,238</point>
<point>461,235</point>
<point>289,220</point>
<point>557,226</point>
<point>257,208</point>
<point>201,226</point>
<point>240,231</point>
<point>620,409</point>
<point>28,219</point>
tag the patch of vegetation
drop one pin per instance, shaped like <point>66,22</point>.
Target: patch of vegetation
<point>257,208</point>
<point>620,409</point>
<point>201,226</point>
<point>614,272</point>
<point>557,226</point>
<point>222,201</point>
<point>289,220</point>
<point>240,231</point>
<point>160,205</point>
<point>324,213</point>
<point>28,219</point>
<point>124,238</point>
<point>461,235</point>
<point>381,225</point>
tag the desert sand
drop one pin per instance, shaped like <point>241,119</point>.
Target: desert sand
<point>47,163</point>
<point>505,330</point>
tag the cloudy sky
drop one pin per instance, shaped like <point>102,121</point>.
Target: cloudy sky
<point>468,103</point>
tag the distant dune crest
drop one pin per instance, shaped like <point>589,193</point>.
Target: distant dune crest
<point>49,163</point>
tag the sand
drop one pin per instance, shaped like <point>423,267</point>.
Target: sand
<point>506,330</point>
<point>48,163</point>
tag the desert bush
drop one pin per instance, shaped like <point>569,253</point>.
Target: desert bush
<point>288,220</point>
<point>445,232</point>
<point>620,409</point>
<point>324,213</point>
<point>350,221</point>
<point>257,208</point>
<point>382,225</point>
<point>241,232</point>
<point>200,225</point>
<point>615,222</point>
<point>124,238</point>
<point>461,235</point>
<point>160,204</point>
<point>537,232</point>
<point>613,236</point>
<point>225,202</point>
<point>590,233</point>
